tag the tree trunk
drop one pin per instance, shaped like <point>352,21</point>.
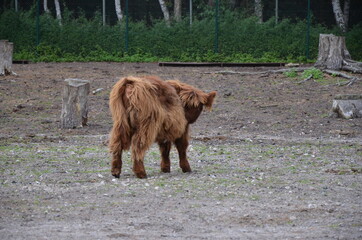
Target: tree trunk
<point>258,8</point>
<point>118,10</point>
<point>6,57</point>
<point>346,12</point>
<point>339,16</point>
<point>333,54</point>
<point>166,14</point>
<point>58,11</point>
<point>46,9</point>
<point>75,103</point>
<point>232,4</point>
<point>331,51</point>
<point>177,10</point>
<point>16,6</point>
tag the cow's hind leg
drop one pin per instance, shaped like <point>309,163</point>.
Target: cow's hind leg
<point>139,169</point>
<point>115,146</point>
<point>137,158</point>
<point>116,164</point>
<point>181,145</point>
<point>116,151</point>
<point>165,147</point>
<point>139,148</point>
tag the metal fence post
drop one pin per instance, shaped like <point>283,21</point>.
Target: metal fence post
<point>126,32</point>
<point>216,37</point>
<point>308,32</point>
<point>38,23</point>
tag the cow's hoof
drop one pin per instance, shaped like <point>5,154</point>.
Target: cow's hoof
<point>116,173</point>
<point>186,169</point>
<point>141,175</point>
<point>166,169</point>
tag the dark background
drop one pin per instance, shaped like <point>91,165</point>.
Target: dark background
<point>146,10</point>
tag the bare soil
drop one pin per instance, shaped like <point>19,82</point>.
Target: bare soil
<point>268,162</point>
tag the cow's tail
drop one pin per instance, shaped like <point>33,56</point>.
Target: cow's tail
<point>120,138</point>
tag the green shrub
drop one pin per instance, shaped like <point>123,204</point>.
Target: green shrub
<point>354,42</point>
<point>292,73</point>
<point>314,72</point>
<point>240,39</point>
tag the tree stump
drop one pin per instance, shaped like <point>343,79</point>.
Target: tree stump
<point>6,57</point>
<point>347,106</point>
<point>75,103</point>
<point>333,54</point>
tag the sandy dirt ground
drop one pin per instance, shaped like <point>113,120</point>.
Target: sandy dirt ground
<point>268,161</point>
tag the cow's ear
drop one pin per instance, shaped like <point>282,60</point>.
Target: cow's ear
<point>210,100</point>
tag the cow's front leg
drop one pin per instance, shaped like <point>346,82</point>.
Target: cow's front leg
<point>165,147</point>
<point>181,145</point>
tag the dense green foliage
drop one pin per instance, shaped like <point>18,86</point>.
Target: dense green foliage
<point>240,39</point>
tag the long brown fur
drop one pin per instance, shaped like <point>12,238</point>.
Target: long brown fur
<point>147,110</point>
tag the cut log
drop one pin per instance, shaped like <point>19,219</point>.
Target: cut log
<point>75,103</point>
<point>333,54</point>
<point>347,106</point>
<point>6,57</point>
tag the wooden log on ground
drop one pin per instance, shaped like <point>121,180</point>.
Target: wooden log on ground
<point>6,57</point>
<point>347,106</point>
<point>75,103</point>
<point>352,79</point>
<point>299,69</point>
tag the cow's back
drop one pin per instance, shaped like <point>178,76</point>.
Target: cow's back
<point>155,103</point>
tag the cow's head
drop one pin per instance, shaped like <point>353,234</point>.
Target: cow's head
<point>193,99</point>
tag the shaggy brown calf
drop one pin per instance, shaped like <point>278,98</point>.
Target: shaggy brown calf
<point>147,110</point>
